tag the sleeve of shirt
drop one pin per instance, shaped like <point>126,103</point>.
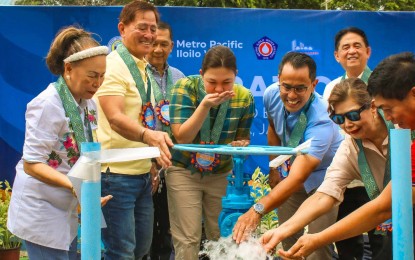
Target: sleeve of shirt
<point>115,83</point>
<point>269,93</point>
<point>329,87</point>
<point>176,74</point>
<point>44,123</point>
<point>342,171</point>
<point>248,112</point>
<point>322,139</point>
<point>323,132</point>
<point>183,100</point>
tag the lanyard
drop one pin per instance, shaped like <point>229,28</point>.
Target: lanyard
<point>207,134</point>
<point>72,112</point>
<point>367,176</point>
<point>158,95</point>
<point>299,128</point>
<point>132,67</point>
<point>365,75</point>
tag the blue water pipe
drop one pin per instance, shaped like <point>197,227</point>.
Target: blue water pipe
<point>402,222</point>
<point>237,199</point>
<point>91,206</point>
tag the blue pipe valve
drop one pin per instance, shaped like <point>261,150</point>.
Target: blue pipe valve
<point>238,198</point>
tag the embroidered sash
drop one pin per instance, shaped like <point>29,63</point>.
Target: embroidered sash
<point>295,136</point>
<point>365,75</point>
<point>368,179</point>
<point>147,114</point>
<point>162,99</point>
<point>209,135</point>
<point>71,111</point>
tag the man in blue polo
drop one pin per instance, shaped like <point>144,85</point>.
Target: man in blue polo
<point>296,113</point>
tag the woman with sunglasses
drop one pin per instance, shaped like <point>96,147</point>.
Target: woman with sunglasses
<point>362,156</point>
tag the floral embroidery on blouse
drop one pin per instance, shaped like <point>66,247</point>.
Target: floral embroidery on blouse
<point>71,148</point>
<point>92,116</point>
<point>54,160</point>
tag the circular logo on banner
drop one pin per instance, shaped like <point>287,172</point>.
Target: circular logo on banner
<point>113,43</point>
<point>265,48</point>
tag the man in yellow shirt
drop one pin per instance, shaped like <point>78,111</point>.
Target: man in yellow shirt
<point>127,120</point>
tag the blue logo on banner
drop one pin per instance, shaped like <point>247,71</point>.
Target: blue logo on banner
<point>265,48</point>
<point>113,43</point>
<point>301,47</point>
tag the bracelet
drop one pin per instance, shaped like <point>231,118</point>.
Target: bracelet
<point>142,134</point>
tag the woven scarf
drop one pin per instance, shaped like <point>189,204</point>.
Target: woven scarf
<point>71,111</point>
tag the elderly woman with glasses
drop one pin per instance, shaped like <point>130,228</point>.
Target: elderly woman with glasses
<point>363,155</point>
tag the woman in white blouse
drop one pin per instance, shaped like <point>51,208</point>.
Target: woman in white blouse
<point>43,209</point>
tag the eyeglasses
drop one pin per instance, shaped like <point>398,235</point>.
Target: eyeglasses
<point>284,88</point>
<point>353,115</point>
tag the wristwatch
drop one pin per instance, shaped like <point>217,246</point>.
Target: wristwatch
<point>259,208</point>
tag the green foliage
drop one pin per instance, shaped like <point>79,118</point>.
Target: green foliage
<point>73,2</point>
<point>369,5</point>
<point>373,5</point>
<point>7,239</point>
<point>261,188</point>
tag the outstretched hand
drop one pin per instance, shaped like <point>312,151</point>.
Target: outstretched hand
<point>245,225</point>
<point>270,239</point>
<point>304,246</point>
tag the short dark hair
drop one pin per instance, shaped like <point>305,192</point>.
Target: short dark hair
<point>165,26</point>
<point>299,60</point>
<point>129,11</point>
<point>394,76</point>
<point>347,30</point>
<point>217,57</point>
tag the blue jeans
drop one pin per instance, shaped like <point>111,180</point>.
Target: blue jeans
<point>36,251</point>
<point>129,216</point>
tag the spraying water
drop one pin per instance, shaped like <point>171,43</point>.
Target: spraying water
<point>226,249</point>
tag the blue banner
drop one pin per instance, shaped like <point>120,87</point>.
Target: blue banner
<point>259,38</point>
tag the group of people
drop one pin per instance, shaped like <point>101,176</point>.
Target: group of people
<point>391,89</point>
<point>132,98</point>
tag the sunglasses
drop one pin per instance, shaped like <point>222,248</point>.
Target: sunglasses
<point>353,115</point>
